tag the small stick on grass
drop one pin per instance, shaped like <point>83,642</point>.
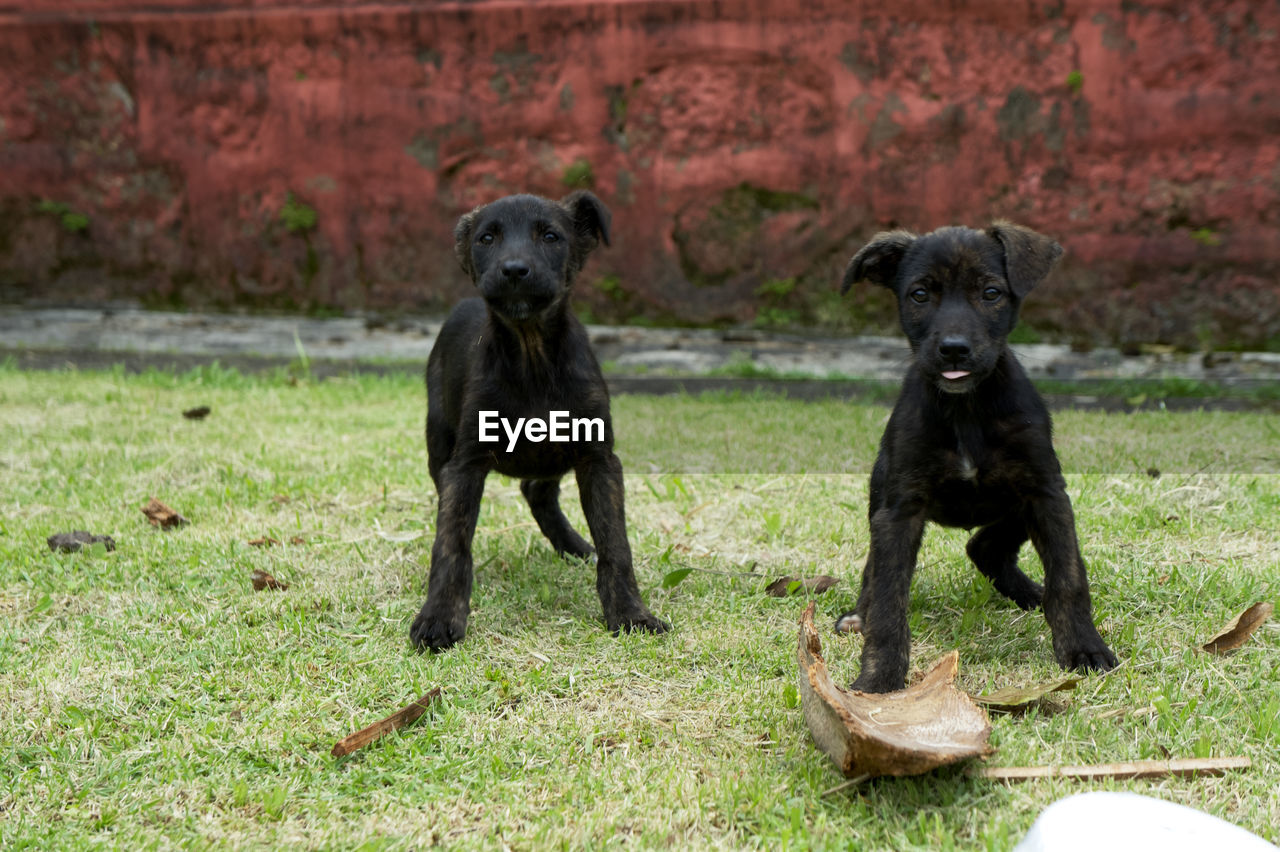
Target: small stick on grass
<point>852,782</point>
<point>397,720</point>
<point>1192,767</point>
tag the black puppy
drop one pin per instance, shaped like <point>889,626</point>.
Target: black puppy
<point>969,444</point>
<point>519,356</point>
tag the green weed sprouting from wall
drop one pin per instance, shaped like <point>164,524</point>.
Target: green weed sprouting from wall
<point>579,175</point>
<point>71,220</point>
<point>1206,237</point>
<point>297,216</point>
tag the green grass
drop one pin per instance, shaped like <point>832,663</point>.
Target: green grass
<point>149,698</point>
<point>1141,390</point>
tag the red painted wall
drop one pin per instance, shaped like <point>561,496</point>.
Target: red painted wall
<point>147,150</point>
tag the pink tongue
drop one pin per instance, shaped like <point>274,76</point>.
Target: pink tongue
<point>954,374</point>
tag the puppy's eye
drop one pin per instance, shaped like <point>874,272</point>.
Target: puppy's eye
<point>991,294</point>
<point>485,239</point>
<point>920,295</point>
<point>550,237</point>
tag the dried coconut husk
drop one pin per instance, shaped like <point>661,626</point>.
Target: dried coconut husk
<point>909,732</point>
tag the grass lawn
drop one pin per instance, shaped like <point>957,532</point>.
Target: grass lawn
<point>149,698</point>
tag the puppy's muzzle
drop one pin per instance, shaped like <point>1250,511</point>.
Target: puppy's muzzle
<point>954,353</point>
<point>515,292</point>
<point>515,270</point>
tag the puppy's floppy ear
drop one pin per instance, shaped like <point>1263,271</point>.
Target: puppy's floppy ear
<point>878,260</point>
<point>590,218</point>
<point>462,242</point>
<point>1028,256</point>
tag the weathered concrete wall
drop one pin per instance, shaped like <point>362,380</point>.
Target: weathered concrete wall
<point>303,153</point>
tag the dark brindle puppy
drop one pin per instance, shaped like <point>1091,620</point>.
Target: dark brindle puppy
<point>518,352</point>
<point>968,444</point>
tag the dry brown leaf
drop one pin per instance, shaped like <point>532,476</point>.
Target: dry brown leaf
<point>297,539</point>
<point>70,542</point>
<point>262,580</point>
<point>914,730</point>
<point>1016,697</point>
<point>198,413</point>
<point>1240,629</point>
<point>397,720</point>
<point>781,587</point>
<point>265,541</point>
<point>162,516</point>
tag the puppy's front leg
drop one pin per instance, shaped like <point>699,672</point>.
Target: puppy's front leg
<point>442,622</point>
<point>895,539</point>
<point>600,487</point>
<point>1067,604</point>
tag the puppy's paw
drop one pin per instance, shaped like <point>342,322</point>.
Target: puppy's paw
<point>645,622</point>
<point>1028,596</point>
<point>871,683</point>
<point>585,552</point>
<point>1091,655</point>
<point>434,632</point>
<point>850,622</point>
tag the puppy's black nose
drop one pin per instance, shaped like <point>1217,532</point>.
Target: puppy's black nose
<point>515,269</point>
<point>954,347</point>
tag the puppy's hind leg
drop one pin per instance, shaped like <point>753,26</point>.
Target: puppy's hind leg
<point>853,620</point>
<point>543,496</point>
<point>994,550</point>
<point>440,442</point>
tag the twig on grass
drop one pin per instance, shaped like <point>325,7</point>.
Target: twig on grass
<point>852,782</point>
<point>401,718</point>
<point>1191,767</point>
<point>747,573</point>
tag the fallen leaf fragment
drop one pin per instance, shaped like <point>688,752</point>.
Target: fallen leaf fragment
<point>70,542</point>
<point>397,720</point>
<point>297,539</point>
<point>1240,629</point>
<point>1016,697</point>
<point>262,580</point>
<point>914,730</point>
<point>1191,767</point>
<point>675,578</point>
<point>162,516</point>
<point>198,413</point>
<point>782,587</point>
<point>265,541</point>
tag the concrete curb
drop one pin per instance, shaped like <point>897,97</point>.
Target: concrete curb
<point>644,360</point>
